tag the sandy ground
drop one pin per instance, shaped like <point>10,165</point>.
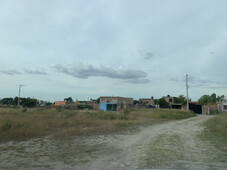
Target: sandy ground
<point>171,145</point>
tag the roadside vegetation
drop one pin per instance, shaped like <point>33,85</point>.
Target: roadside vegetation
<point>21,123</point>
<point>216,131</point>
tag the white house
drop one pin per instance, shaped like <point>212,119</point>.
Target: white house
<point>223,105</point>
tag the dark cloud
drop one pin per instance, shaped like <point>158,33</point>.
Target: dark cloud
<point>10,72</point>
<point>87,70</point>
<point>138,80</point>
<point>146,55</point>
<point>39,72</point>
<point>195,81</point>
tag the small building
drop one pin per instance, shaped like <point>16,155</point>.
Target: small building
<point>147,102</point>
<point>115,103</point>
<point>206,109</point>
<point>59,103</point>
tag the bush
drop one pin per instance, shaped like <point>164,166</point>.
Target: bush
<point>24,110</point>
<point>83,106</point>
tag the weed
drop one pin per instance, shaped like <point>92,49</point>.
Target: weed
<point>59,108</point>
<point>24,110</point>
<point>7,126</point>
<point>126,111</point>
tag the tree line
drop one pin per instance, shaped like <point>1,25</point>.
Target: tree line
<point>25,102</point>
<point>181,99</point>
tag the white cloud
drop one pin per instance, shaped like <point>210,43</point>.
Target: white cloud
<point>39,72</point>
<point>84,71</point>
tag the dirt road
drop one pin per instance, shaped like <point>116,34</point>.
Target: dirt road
<point>172,145</point>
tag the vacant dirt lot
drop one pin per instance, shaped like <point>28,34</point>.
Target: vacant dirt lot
<point>172,145</point>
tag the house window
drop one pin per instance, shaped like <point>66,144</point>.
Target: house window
<point>170,100</point>
<point>225,107</point>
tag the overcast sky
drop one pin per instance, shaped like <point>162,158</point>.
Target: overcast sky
<point>130,48</point>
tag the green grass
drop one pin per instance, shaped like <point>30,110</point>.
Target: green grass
<point>16,123</point>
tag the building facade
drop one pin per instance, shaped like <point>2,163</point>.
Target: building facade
<point>147,102</point>
<point>108,103</point>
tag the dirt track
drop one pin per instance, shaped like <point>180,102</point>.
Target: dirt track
<point>172,145</point>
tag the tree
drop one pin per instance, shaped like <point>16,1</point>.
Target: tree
<point>213,98</point>
<point>7,101</point>
<point>28,102</point>
<point>205,99</point>
<point>98,100</point>
<point>181,99</point>
<point>162,103</point>
<point>220,98</point>
<point>68,100</point>
<point>135,102</point>
<point>15,100</point>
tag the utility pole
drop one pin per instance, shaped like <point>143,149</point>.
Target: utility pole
<point>187,91</point>
<point>19,94</point>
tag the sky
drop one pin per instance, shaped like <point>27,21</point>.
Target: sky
<point>85,49</point>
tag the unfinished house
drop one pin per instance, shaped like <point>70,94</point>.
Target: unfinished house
<point>115,103</point>
<point>172,105</point>
<point>169,99</point>
<point>147,102</point>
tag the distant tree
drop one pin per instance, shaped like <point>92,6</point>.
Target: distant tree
<point>135,102</point>
<point>48,103</point>
<point>28,102</point>
<point>98,100</point>
<point>213,98</point>
<point>68,100</point>
<point>15,100</point>
<point>180,99</point>
<point>7,101</point>
<point>220,98</point>
<point>205,99</point>
<point>163,103</point>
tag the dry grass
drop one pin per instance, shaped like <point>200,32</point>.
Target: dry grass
<point>216,131</point>
<point>22,123</point>
<point>162,152</point>
<point>218,125</point>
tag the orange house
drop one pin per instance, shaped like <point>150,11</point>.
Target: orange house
<point>59,103</point>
